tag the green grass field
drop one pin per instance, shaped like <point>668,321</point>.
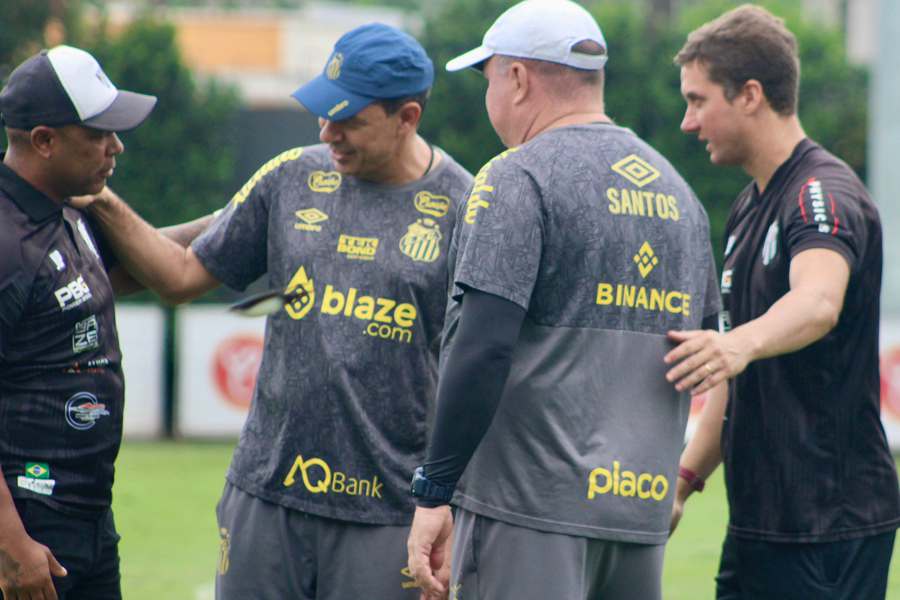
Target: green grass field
<point>165,497</point>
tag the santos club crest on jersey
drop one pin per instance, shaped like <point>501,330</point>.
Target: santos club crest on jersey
<point>422,241</point>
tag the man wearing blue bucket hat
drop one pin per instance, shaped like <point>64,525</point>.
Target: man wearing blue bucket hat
<point>316,502</point>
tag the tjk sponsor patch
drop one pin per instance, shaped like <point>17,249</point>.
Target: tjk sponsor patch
<point>362,248</point>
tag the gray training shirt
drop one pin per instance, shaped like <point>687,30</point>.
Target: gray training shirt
<point>606,247</point>
<point>338,418</point>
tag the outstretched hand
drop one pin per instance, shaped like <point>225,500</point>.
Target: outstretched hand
<point>703,359</point>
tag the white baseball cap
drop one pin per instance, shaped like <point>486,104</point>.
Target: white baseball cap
<point>65,85</point>
<point>540,30</point>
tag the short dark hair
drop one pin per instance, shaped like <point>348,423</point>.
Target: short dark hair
<point>748,43</point>
<point>392,105</point>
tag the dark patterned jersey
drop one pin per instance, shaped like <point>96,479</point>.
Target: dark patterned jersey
<point>347,381</point>
<point>61,386</point>
<point>605,246</point>
<point>805,454</point>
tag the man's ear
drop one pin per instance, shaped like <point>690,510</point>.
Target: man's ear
<point>410,114</point>
<point>752,97</point>
<point>44,140</point>
<point>522,81</point>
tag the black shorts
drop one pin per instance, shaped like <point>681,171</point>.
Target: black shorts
<point>848,570</point>
<point>88,547</point>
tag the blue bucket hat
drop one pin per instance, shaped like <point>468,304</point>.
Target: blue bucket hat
<point>369,63</point>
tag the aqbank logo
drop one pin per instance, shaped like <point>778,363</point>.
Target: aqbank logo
<point>387,319</point>
<point>319,478</point>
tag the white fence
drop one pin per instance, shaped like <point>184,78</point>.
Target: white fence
<point>218,356</point>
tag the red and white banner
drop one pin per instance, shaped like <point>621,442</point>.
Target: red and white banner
<point>218,359</point>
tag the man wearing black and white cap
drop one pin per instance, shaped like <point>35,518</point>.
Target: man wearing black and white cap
<point>61,388</point>
<point>577,249</point>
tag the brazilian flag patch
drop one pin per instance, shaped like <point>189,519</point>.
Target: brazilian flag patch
<point>37,470</point>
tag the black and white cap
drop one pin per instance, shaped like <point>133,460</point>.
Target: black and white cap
<point>65,86</point>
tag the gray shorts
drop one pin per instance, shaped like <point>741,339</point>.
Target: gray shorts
<point>493,560</point>
<point>269,552</point>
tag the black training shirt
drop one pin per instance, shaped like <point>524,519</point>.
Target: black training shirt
<point>61,386</point>
<point>806,458</point>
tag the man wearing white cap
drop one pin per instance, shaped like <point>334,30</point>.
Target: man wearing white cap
<point>61,387</point>
<point>577,250</point>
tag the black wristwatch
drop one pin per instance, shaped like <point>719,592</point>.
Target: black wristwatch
<point>422,487</point>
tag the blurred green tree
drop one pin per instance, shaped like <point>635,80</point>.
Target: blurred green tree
<point>643,88</point>
<point>179,164</point>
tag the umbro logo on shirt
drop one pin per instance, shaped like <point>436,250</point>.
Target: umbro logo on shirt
<point>310,219</point>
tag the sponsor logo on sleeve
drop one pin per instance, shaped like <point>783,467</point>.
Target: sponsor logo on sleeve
<point>386,318</point>
<point>310,219</point>
<point>422,241</point>
<point>82,229</point>
<point>58,261</point>
<point>37,479</point>
<point>83,410</point>
<point>818,207</point>
<point>478,197</point>
<point>85,336</point>
<point>432,204</point>
<point>361,248</point>
<point>626,484</point>
<point>75,293</point>
<point>324,182</point>
<point>242,194</point>
<point>770,246</point>
<point>639,297</point>
<point>318,477</point>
